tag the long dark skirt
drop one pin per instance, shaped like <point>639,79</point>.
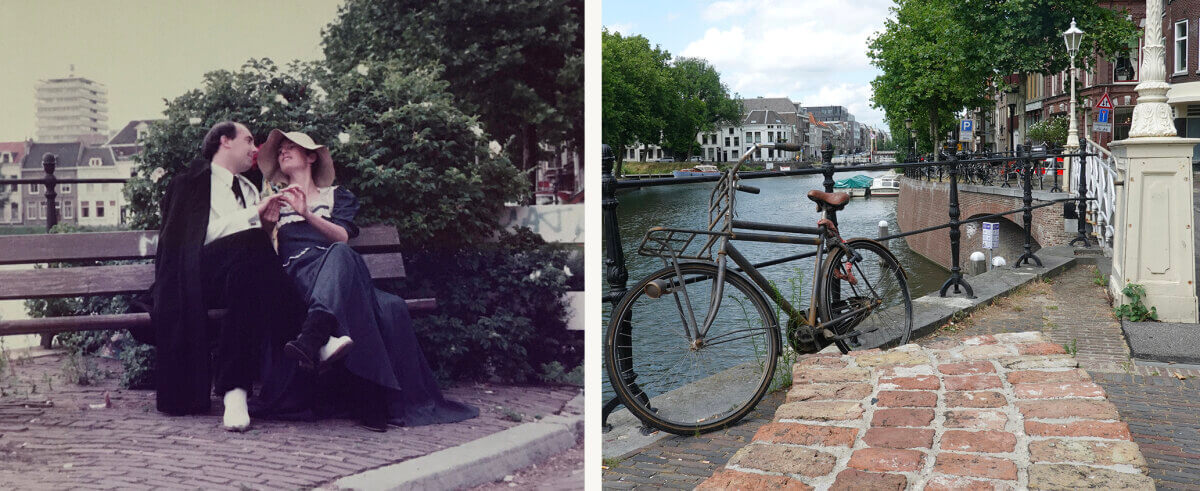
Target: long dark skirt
<point>385,351</point>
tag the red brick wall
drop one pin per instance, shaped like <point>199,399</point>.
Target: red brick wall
<point>925,204</point>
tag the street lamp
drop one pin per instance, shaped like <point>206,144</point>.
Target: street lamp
<point>912,139</point>
<point>1071,37</point>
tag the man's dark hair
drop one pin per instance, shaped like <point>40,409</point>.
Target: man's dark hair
<point>212,141</point>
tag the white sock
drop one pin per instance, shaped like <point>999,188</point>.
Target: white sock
<point>237,416</point>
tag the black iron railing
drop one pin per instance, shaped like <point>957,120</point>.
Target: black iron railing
<point>50,182</point>
<point>990,169</point>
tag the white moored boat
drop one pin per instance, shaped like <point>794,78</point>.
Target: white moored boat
<point>886,185</point>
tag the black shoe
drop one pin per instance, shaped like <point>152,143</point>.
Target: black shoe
<point>306,348</point>
<point>376,426</point>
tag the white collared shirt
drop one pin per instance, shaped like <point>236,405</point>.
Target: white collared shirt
<point>225,215</point>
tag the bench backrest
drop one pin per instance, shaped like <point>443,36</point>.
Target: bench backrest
<point>378,245</point>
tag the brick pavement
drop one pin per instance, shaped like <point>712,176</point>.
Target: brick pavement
<point>682,462</point>
<point>68,444</point>
<point>1004,411</point>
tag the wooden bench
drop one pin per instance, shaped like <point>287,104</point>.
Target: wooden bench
<point>378,245</point>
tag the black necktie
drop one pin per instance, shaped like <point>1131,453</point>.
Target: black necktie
<point>237,192</point>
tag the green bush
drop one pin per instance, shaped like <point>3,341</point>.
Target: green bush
<point>502,316</point>
<point>1135,310</point>
<point>1051,131</point>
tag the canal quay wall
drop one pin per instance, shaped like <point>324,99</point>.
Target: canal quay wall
<point>927,203</point>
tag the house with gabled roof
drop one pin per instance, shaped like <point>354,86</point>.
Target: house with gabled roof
<point>11,154</point>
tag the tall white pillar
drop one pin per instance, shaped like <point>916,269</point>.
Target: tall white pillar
<point>1154,244</point>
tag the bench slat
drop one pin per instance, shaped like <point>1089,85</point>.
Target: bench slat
<point>55,325</point>
<point>130,278</point>
<point>136,244</point>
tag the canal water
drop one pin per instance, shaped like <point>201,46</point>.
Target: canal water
<point>782,200</point>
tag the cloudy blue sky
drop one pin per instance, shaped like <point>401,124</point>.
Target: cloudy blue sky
<point>813,51</point>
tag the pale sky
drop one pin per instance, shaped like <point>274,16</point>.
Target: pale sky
<point>144,51</point>
<point>812,51</point>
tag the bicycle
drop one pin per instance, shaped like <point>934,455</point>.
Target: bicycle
<point>705,372</point>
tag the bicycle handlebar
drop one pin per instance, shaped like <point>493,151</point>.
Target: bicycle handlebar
<point>748,189</point>
<point>790,147</point>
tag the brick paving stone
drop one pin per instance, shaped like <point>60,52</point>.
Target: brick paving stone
<point>820,411</point>
<point>1057,390</point>
<point>971,382</point>
<point>824,375</point>
<point>856,480</point>
<point>906,398</point>
<point>920,382</point>
<point>975,419</point>
<point>816,392</point>
<point>902,417</point>
<point>1044,376</point>
<point>967,368</point>
<point>979,441</point>
<point>893,357</point>
<point>731,479</point>
<point>1065,476</point>
<point>1041,349</point>
<point>970,465</point>
<point>959,483</point>
<point>1087,452</point>
<point>976,399</point>
<point>785,459</point>
<point>1099,429</point>
<point>1067,408</point>
<point>802,434</point>
<point>899,437</point>
<point>886,460</point>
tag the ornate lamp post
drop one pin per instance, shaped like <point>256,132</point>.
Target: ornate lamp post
<point>1071,37</point>
<point>912,140</point>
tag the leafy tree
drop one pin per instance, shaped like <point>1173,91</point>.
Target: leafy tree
<point>517,64</point>
<point>636,92</point>
<point>932,68</point>
<point>701,102</point>
<point>1052,131</point>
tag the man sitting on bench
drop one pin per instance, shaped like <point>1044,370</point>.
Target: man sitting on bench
<point>214,252</point>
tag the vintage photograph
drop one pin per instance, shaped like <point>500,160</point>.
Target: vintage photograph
<point>292,244</point>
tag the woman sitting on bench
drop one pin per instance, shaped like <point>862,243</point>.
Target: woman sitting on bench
<point>349,321</point>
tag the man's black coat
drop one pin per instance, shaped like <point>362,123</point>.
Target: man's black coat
<point>179,319</point>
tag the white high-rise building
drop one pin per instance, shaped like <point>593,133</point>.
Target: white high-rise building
<point>72,109</point>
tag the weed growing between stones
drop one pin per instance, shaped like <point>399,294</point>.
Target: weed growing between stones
<point>1098,278</point>
<point>1072,348</point>
<point>1135,310</point>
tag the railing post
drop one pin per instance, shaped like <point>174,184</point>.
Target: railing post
<point>49,161</point>
<point>1027,215</point>
<point>956,277</point>
<point>1054,166</point>
<point>615,271</point>
<point>1082,209</point>
<point>827,169</point>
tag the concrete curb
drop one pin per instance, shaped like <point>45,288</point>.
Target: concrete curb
<point>480,461</point>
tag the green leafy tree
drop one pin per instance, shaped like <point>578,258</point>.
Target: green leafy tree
<point>517,64</point>
<point>636,92</point>
<point>701,102</point>
<point>932,68</point>
<point>1052,131</point>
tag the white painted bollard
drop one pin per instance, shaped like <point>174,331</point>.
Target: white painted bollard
<point>883,228</point>
<point>998,261</point>
<point>978,264</point>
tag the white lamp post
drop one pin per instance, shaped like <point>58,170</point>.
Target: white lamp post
<point>1072,36</point>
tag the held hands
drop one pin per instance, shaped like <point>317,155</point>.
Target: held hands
<point>268,210</point>
<point>297,199</point>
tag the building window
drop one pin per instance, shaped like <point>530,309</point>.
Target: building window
<point>14,186</point>
<point>1181,36</point>
<point>1125,67</point>
<point>15,212</point>
<point>42,210</point>
<point>5,158</point>
<point>770,137</point>
<point>68,211</point>
<point>94,162</point>
<point>31,210</point>
<point>83,209</point>
<point>35,188</point>
<point>66,189</point>
<point>736,143</point>
<point>727,141</point>
<point>99,209</point>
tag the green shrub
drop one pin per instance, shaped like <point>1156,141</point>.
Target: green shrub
<point>501,314</point>
<point>1135,310</point>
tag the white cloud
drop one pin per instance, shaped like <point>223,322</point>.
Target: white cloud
<point>814,51</point>
<point>624,28</point>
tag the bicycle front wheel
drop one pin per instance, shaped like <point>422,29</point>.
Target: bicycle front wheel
<point>864,287</point>
<point>680,381</point>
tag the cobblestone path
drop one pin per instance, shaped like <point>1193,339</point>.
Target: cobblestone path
<point>55,435</point>
<point>1009,411</point>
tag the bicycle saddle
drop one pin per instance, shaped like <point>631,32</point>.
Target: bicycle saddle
<point>834,201</point>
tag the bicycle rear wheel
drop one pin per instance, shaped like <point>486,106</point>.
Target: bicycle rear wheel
<point>685,384</point>
<point>869,289</point>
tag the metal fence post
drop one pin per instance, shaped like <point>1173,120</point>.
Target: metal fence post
<point>827,169</point>
<point>615,270</point>
<point>49,161</point>
<point>956,277</point>
<point>1027,215</point>
<point>1082,209</point>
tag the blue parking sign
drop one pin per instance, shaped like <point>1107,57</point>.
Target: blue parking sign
<point>968,126</point>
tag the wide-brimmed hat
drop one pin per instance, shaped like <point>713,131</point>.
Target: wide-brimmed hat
<point>268,155</point>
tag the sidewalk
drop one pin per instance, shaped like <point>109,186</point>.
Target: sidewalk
<point>55,435</point>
